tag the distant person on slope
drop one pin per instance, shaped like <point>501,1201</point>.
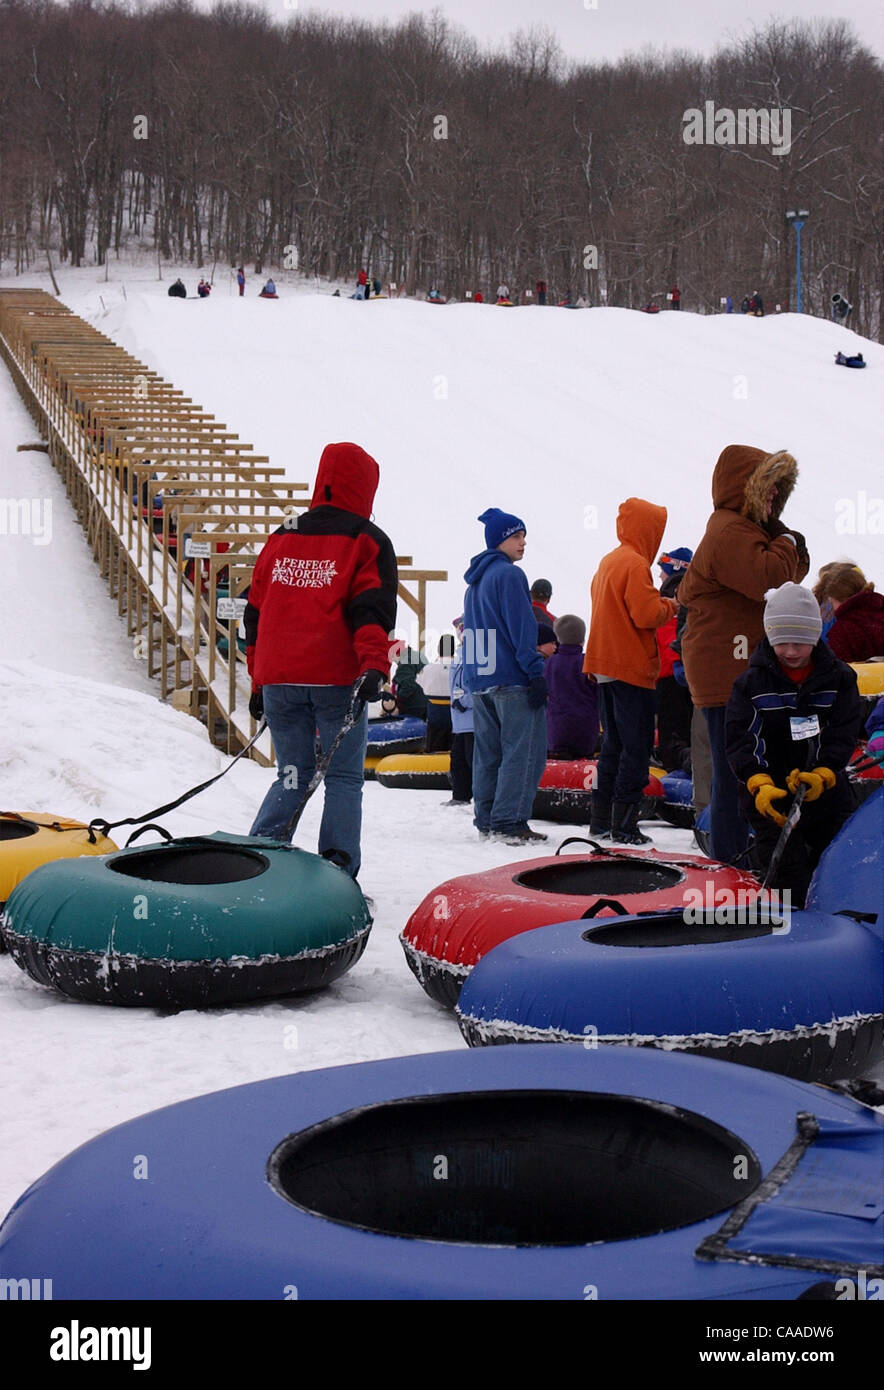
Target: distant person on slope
<point>745,551</point>
<point>621,654</point>
<point>675,297</point>
<point>321,605</point>
<point>177,290</point>
<point>362,290</point>
<point>241,281</point>
<point>503,293</point>
<point>503,670</point>
<point>269,291</point>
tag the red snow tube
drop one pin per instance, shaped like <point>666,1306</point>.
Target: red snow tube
<point>565,790</point>
<point>464,918</point>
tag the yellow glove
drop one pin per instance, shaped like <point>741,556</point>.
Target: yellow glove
<point>822,779</point>
<point>764,791</point>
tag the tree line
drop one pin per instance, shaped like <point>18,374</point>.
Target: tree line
<point>333,144</point>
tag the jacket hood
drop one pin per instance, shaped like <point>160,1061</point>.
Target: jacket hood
<point>641,525</point>
<point>482,562</point>
<point>743,477</point>
<point>866,601</point>
<point>347,477</point>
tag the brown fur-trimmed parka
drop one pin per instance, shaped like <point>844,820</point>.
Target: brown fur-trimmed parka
<point>740,557</point>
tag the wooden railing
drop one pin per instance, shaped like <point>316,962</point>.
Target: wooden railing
<point>174,506</point>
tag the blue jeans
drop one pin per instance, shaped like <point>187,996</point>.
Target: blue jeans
<point>509,755</point>
<point>627,715</point>
<point>728,832</point>
<point>294,713</point>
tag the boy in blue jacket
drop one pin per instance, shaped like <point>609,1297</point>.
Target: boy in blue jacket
<point>503,671</point>
<point>793,717</point>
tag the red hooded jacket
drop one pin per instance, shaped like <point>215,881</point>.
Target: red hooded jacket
<point>322,601</point>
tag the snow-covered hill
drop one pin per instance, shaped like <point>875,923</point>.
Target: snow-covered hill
<point>557,416</point>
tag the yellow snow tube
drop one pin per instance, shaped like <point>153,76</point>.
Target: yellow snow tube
<point>33,838</point>
<point>869,677</point>
<point>422,770</point>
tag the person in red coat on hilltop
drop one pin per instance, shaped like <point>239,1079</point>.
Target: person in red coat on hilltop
<point>675,297</point>
<point>856,612</point>
<point>322,604</point>
<point>362,283</point>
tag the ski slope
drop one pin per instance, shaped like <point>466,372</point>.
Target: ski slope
<point>554,415</point>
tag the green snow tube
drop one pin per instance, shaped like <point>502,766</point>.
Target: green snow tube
<point>191,923</point>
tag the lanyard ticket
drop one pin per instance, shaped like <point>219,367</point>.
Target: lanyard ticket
<point>804,726</point>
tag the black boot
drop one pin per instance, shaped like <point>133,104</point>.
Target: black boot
<point>600,816</point>
<point>624,824</point>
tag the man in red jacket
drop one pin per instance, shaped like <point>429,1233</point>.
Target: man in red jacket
<point>322,604</point>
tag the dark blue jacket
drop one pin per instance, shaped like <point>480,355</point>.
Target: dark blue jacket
<point>500,627</point>
<point>764,700</point>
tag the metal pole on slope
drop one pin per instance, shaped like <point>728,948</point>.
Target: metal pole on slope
<point>797,220</point>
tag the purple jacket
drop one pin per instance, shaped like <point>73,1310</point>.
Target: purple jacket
<point>572,714</point>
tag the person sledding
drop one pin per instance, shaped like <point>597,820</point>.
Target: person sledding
<point>269,291</point>
<point>793,719</point>
<point>856,361</point>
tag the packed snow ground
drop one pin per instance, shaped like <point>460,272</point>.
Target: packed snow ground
<point>547,414</point>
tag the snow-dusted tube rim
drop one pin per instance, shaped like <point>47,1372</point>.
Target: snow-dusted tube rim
<point>137,981</point>
<point>502,1030</point>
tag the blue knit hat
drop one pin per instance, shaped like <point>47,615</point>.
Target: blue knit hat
<point>672,561</point>
<point>499,526</point>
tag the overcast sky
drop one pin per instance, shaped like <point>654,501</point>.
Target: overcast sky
<point>614,27</point>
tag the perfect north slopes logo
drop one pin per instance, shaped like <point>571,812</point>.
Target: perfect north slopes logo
<point>303,574</point>
<point>722,126</point>
<point>76,1343</point>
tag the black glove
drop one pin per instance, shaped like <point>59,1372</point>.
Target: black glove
<point>538,692</point>
<point>800,543</point>
<point>459,706</point>
<point>370,685</point>
<point>256,704</point>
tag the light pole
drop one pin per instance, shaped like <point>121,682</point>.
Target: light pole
<point>797,220</point>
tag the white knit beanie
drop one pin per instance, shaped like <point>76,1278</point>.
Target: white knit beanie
<point>792,614</point>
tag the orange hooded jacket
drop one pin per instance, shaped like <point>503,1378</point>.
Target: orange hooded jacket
<point>626,608</point>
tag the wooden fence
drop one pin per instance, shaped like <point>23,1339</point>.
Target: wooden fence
<point>174,506</point>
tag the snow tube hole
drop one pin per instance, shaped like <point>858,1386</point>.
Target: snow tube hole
<point>673,930</point>
<point>193,864</point>
<point>475,1168</point>
<point>602,877</point>
<point>16,829</point>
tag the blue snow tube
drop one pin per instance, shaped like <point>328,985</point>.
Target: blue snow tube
<point>675,806</point>
<point>406,735</point>
<point>799,993</point>
<point>850,875</point>
<point>703,831</point>
<point>429,1178</point>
